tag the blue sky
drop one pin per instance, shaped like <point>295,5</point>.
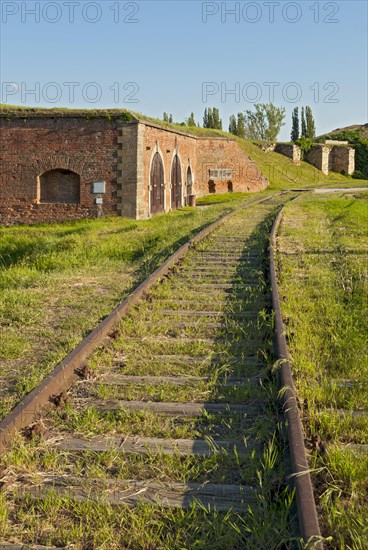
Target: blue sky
<point>174,56</point>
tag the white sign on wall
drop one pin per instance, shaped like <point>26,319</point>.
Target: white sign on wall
<point>99,187</point>
<point>221,173</point>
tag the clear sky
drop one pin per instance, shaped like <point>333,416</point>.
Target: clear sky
<point>182,56</point>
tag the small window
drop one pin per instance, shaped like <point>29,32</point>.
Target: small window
<point>211,186</point>
<point>60,186</point>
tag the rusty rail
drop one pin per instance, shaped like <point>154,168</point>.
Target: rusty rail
<point>64,374</point>
<point>300,477</point>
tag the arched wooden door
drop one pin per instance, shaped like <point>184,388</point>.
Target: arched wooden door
<point>189,182</point>
<point>157,185</point>
<point>176,184</point>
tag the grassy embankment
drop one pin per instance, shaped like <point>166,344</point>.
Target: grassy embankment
<point>323,246</point>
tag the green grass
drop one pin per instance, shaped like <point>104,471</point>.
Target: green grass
<point>60,520</point>
<point>218,468</point>
<point>265,523</point>
<point>58,281</point>
<point>168,392</point>
<point>323,246</point>
<point>220,198</point>
<point>10,110</point>
<point>282,173</point>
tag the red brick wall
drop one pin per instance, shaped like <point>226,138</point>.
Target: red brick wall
<point>168,143</point>
<point>203,155</point>
<point>226,154</point>
<point>106,149</point>
<point>32,146</point>
<point>22,212</point>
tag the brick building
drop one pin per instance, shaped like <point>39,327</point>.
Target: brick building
<point>64,165</point>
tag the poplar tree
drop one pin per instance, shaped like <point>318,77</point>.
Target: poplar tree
<point>209,118</point>
<point>191,120</point>
<point>241,125</point>
<point>295,125</point>
<point>310,125</point>
<point>216,120</point>
<point>304,125</point>
<point>233,129</point>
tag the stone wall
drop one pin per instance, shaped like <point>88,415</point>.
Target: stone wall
<point>333,155</point>
<point>265,146</point>
<point>289,150</point>
<point>336,142</point>
<point>342,159</point>
<point>318,155</point>
<point>338,158</point>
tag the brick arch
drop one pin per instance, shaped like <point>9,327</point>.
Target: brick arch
<point>58,162</point>
<point>59,186</point>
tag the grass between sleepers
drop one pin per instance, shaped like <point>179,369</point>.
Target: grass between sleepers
<point>58,281</point>
<point>323,247</point>
<point>60,520</point>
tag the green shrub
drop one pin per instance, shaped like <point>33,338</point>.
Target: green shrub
<point>305,145</point>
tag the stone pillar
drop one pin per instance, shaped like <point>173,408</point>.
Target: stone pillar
<point>142,210</point>
<point>127,170</point>
<point>351,161</point>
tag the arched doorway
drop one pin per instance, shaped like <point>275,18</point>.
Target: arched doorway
<point>176,183</point>
<point>189,183</point>
<point>157,185</point>
<point>59,186</point>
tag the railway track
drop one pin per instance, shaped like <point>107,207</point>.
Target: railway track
<point>174,424</point>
